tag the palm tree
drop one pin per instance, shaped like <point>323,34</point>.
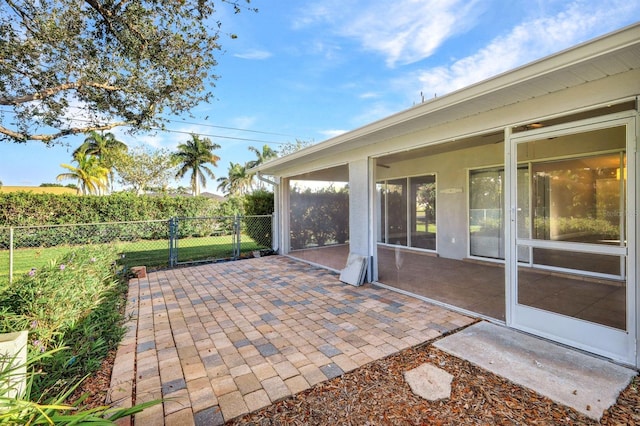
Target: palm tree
<point>90,174</point>
<point>106,147</point>
<point>193,156</point>
<point>237,181</point>
<point>261,156</point>
<point>224,184</point>
<point>266,154</point>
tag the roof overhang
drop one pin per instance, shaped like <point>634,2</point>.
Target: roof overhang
<point>608,55</point>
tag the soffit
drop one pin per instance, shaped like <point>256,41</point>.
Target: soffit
<point>600,58</point>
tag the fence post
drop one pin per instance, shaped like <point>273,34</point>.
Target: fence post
<point>236,237</point>
<point>173,225</point>
<point>11,255</point>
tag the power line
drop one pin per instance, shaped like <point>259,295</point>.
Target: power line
<point>231,128</point>
<point>218,136</point>
<point>199,134</point>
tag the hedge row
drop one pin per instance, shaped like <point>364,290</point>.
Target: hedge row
<point>319,218</point>
<point>28,209</point>
<point>259,203</point>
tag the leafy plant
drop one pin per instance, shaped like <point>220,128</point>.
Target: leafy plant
<point>131,63</point>
<point>72,309</point>
<point>22,408</point>
<point>74,302</point>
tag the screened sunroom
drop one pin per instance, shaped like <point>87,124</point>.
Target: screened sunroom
<point>514,199</point>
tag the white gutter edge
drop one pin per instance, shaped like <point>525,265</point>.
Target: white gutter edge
<point>265,180</point>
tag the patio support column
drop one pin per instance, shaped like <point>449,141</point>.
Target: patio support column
<point>359,207</point>
<point>283,216</point>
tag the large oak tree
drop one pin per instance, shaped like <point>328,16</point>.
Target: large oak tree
<point>69,66</point>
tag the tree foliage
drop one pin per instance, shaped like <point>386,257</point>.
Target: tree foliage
<point>193,156</point>
<point>266,154</point>
<point>141,168</point>
<point>291,147</point>
<point>69,67</point>
<point>89,173</point>
<point>106,147</point>
<point>238,180</point>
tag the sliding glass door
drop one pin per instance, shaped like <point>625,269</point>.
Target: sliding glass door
<point>408,212</point>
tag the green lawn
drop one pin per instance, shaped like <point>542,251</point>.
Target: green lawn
<point>421,227</point>
<point>149,253</point>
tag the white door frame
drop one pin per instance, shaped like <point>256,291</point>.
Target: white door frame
<point>619,345</point>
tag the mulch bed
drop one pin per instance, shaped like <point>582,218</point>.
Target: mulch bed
<point>377,394</point>
<point>95,387</point>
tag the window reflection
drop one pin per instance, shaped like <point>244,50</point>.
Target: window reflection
<point>578,200</point>
<point>408,212</point>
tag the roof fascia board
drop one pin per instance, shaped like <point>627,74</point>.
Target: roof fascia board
<point>557,62</point>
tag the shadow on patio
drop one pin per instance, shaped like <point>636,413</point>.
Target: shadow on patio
<point>217,341</point>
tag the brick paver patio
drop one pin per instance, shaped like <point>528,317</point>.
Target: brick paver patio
<point>220,340</point>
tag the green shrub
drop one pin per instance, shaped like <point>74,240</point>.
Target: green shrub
<point>231,206</point>
<point>319,217</point>
<point>585,227</point>
<point>259,203</point>
<point>29,209</point>
<point>74,302</point>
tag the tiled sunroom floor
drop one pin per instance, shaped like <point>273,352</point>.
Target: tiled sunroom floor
<point>217,341</point>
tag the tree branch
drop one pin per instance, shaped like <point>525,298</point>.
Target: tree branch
<point>23,137</point>
<point>26,18</point>
<point>109,16</point>
<point>8,100</point>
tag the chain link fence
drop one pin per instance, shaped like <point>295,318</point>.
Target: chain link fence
<point>156,244</point>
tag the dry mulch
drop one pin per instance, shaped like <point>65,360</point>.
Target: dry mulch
<point>96,387</point>
<point>377,394</point>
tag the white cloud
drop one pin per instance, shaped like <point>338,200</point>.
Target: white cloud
<point>369,95</point>
<point>404,31</point>
<point>254,54</point>
<point>156,141</point>
<point>529,41</point>
<point>244,122</point>
<point>332,133</point>
<point>313,13</point>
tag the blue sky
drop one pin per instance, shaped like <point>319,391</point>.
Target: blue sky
<point>314,69</point>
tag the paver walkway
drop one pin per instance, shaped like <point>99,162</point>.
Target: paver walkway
<point>220,340</point>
